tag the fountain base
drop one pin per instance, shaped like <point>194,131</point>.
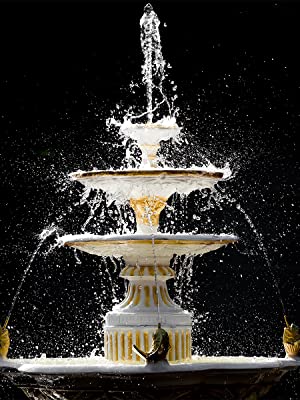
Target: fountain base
<point>235,378</point>
<point>135,319</point>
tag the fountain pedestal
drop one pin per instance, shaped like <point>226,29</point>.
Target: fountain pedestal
<point>135,319</point>
<point>147,211</point>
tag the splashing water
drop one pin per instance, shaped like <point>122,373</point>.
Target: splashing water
<point>184,272</point>
<point>154,63</point>
<point>103,206</point>
<point>113,287</point>
<point>42,237</point>
<point>187,272</point>
<point>94,204</point>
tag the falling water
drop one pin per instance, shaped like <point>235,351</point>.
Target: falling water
<point>113,288</point>
<point>187,272</point>
<point>94,204</point>
<point>42,237</point>
<point>179,279</point>
<point>184,271</point>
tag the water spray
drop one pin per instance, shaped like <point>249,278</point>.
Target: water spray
<point>43,236</point>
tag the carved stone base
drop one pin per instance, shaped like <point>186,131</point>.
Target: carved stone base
<point>135,319</point>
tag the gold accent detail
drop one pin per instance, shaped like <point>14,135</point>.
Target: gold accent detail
<point>129,347</point>
<point>111,346</point>
<point>147,271</point>
<point>187,342</point>
<point>130,297</point>
<point>163,296</point>
<point>4,341</point>
<point>146,341</point>
<point>137,297</point>
<point>176,345</point>
<point>182,345</point>
<point>148,209</point>
<point>291,339</point>
<point>149,241</point>
<point>170,354</point>
<point>124,270</point>
<point>137,343</point>
<point>122,342</point>
<point>292,350</point>
<point>162,271</point>
<point>151,173</point>
<point>147,297</point>
<point>116,355</point>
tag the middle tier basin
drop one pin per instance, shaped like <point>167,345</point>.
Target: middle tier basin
<point>141,249</point>
<point>123,185</point>
<point>148,190</point>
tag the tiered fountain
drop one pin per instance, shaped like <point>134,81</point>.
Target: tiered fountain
<point>130,326</point>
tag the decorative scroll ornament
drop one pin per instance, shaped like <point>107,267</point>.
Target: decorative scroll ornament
<point>4,341</point>
<point>291,339</point>
<point>147,209</point>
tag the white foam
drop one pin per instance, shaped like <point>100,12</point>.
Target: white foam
<point>101,365</point>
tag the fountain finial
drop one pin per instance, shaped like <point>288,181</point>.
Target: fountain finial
<point>148,8</point>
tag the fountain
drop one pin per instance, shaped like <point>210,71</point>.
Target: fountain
<point>148,316</point>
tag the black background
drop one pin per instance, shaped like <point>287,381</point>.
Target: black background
<point>64,67</point>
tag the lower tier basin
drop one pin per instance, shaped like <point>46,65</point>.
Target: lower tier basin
<point>206,378</point>
<point>138,249</point>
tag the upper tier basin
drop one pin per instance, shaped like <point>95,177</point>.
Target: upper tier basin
<point>152,133</point>
<point>138,249</point>
<point>148,137</point>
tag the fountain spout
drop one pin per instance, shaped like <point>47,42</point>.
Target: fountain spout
<point>159,349</point>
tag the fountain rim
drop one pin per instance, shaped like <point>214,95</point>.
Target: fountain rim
<point>101,365</point>
<point>181,239</point>
<point>148,173</point>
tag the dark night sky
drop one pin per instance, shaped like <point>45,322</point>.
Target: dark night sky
<point>63,68</point>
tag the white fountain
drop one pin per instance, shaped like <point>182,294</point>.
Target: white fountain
<point>130,326</point>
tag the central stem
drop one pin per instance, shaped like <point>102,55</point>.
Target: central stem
<point>147,211</point>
